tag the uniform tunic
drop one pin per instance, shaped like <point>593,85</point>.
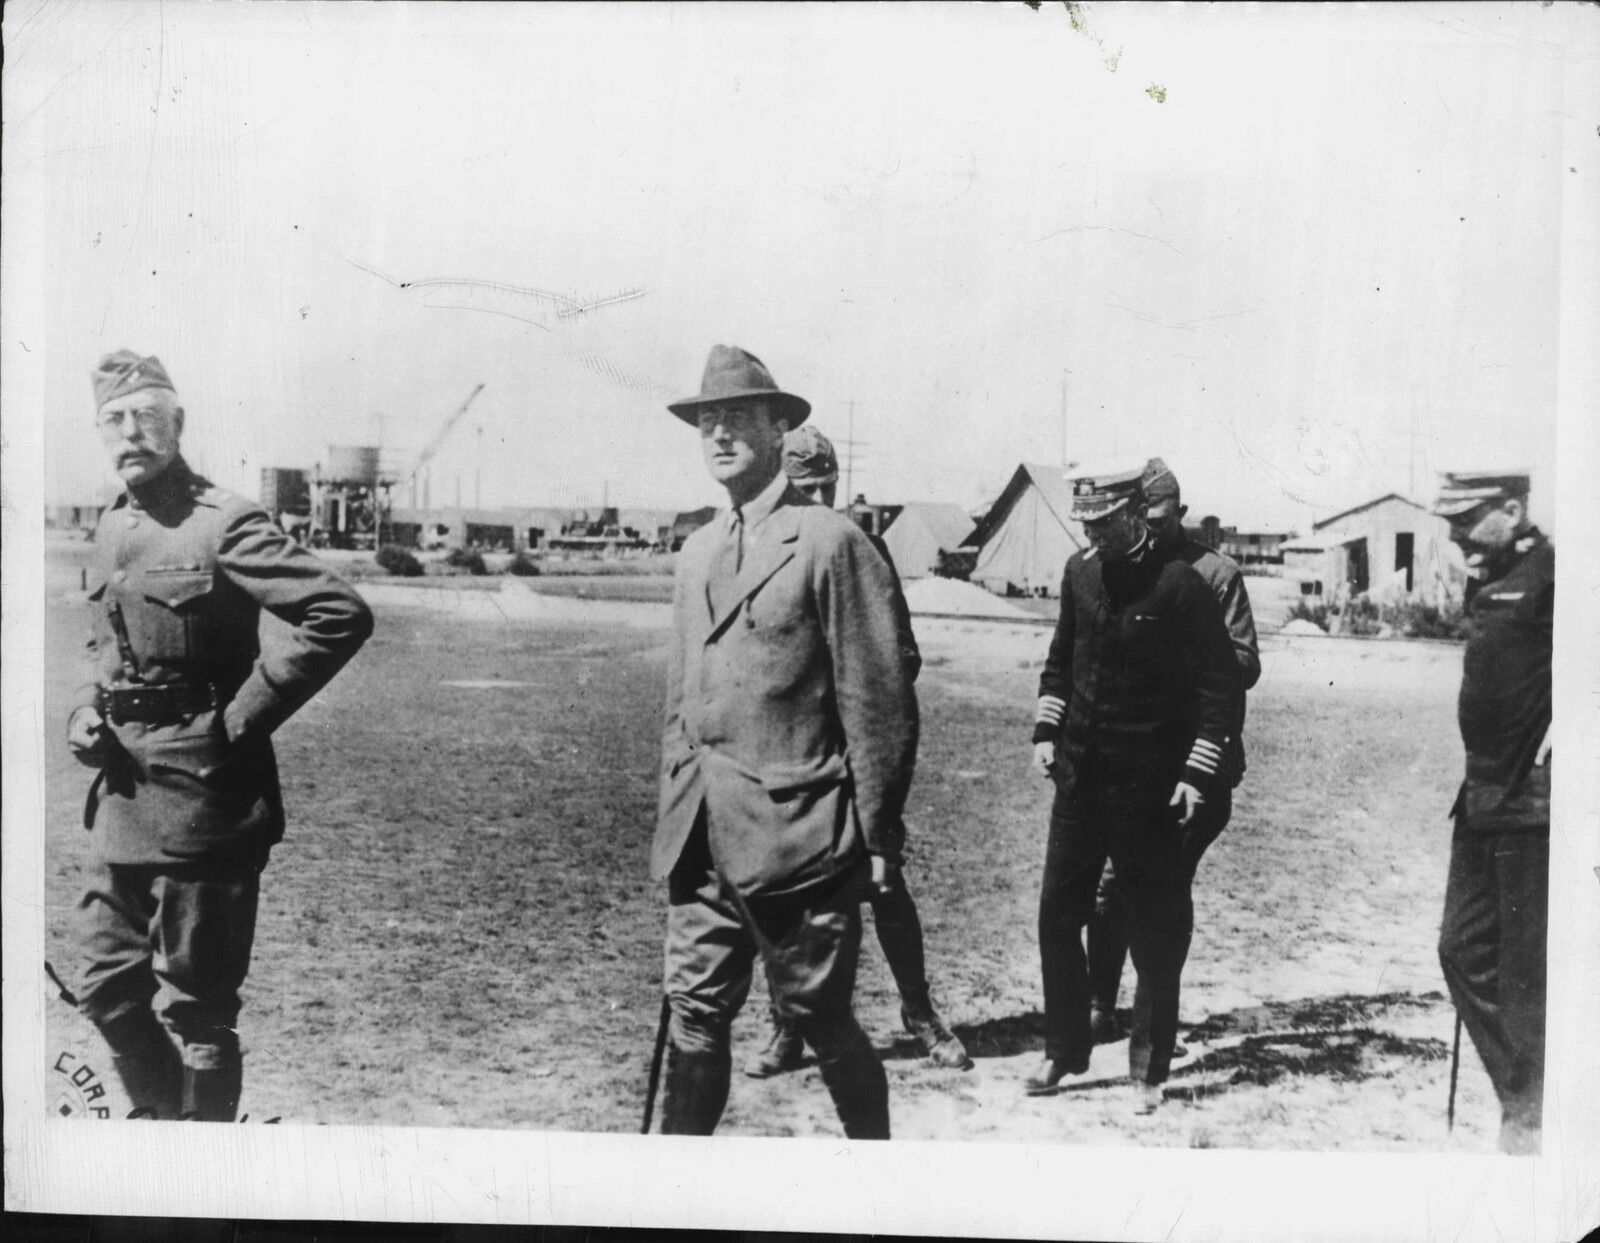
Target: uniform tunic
<point>191,567</point>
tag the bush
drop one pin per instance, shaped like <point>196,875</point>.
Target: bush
<point>392,559</point>
<point>468,559</point>
<point>1425,621</point>
<point>524,566</point>
<point>1361,617</point>
<point>1316,614</point>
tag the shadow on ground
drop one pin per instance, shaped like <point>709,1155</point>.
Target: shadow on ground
<point>1338,1037</point>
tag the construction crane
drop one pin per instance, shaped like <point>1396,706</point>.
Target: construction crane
<point>426,456</point>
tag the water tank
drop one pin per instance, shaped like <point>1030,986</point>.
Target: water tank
<point>285,491</point>
<point>357,464</point>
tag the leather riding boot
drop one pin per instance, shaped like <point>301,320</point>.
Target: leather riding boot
<point>782,1052</point>
<point>855,1080</point>
<point>212,1095</point>
<point>694,1091</point>
<point>147,1063</point>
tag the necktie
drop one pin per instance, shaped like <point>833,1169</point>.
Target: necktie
<point>730,559</point>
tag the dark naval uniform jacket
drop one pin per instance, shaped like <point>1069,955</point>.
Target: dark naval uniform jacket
<point>190,567</point>
<point>1223,576</point>
<point>1141,682</point>
<point>791,719</point>
<point>1505,704</point>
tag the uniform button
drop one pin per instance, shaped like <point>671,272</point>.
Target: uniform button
<point>133,521</point>
<point>121,576</point>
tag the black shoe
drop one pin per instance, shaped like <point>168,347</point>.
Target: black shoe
<point>1102,1025</point>
<point>943,1048</point>
<point>783,1052</point>
<point>1050,1073</point>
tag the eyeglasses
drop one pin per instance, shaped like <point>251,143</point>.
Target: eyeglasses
<point>148,419</point>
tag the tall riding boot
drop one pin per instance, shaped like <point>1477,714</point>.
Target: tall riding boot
<point>854,1078</point>
<point>212,1094</point>
<point>146,1062</point>
<point>694,1091</point>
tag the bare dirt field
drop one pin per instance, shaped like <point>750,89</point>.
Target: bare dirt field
<point>459,930</point>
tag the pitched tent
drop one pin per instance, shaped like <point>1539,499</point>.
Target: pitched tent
<point>923,530</point>
<point>1025,539</point>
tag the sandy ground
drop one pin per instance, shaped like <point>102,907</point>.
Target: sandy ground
<point>459,929</point>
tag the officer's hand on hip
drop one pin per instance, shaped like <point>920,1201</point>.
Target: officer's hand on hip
<point>1188,798</point>
<point>885,873</point>
<point>1044,759</point>
<point>86,736</point>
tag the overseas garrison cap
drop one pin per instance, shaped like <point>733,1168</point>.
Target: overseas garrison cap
<point>1159,483</point>
<point>1102,491</point>
<point>808,456</point>
<point>125,372</point>
<point>1461,491</point>
<point>733,374</point>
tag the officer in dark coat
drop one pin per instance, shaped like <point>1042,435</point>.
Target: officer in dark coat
<point>177,719</point>
<point>813,468</point>
<point>1137,704</point>
<point>1492,937</point>
<point>1108,933</point>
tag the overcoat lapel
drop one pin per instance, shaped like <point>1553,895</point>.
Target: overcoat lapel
<point>779,535</point>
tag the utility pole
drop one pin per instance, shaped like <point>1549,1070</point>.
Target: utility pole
<point>477,472</point>
<point>850,456</point>
<point>1063,418</point>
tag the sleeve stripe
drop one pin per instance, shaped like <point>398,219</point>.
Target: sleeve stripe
<point>1050,710</point>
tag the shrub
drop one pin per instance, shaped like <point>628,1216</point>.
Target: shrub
<point>392,559</point>
<point>1425,621</point>
<point>468,559</point>
<point>1316,614</point>
<point>524,566</point>
<point>1361,617</point>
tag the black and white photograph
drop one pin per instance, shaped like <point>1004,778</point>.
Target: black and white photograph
<point>892,618</point>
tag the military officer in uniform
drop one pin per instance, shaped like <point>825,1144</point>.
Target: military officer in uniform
<point>1108,934</point>
<point>789,741</point>
<point>813,468</point>
<point>177,720</point>
<point>1492,937</point>
<point>1137,704</point>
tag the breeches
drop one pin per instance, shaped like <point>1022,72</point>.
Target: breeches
<point>809,944</point>
<point>176,938</point>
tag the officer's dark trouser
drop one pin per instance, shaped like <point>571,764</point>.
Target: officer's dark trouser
<point>1131,824</point>
<point>1492,949</point>
<point>1108,926</point>
<point>809,945</point>
<point>171,942</point>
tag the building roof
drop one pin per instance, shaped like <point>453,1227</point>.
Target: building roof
<point>1372,504</point>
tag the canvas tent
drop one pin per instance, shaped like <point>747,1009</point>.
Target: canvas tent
<point>1025,539</point>
<point>923,530</point>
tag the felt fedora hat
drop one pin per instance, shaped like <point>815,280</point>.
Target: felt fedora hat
<point>733,374</point>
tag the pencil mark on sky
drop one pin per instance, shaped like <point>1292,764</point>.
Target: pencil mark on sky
<point>1108,228</point>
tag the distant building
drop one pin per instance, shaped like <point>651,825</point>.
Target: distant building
<point>871,518</point>
<point>923,532</point>
<point>688,522</point>
<point>1388,549</point>
<point>1252,547</point>
<point>1025,538</point>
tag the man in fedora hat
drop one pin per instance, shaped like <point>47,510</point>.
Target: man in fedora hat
<point>1492,936</point>
<point>789,741</point>
<point>1136,712</point>
<point>177,717</point>
<point>813,468</point>
<point>1108,933</point>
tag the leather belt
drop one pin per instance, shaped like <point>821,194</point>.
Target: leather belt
<point>155,704</point>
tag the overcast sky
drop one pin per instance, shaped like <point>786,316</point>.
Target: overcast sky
<point>1308,254</point>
